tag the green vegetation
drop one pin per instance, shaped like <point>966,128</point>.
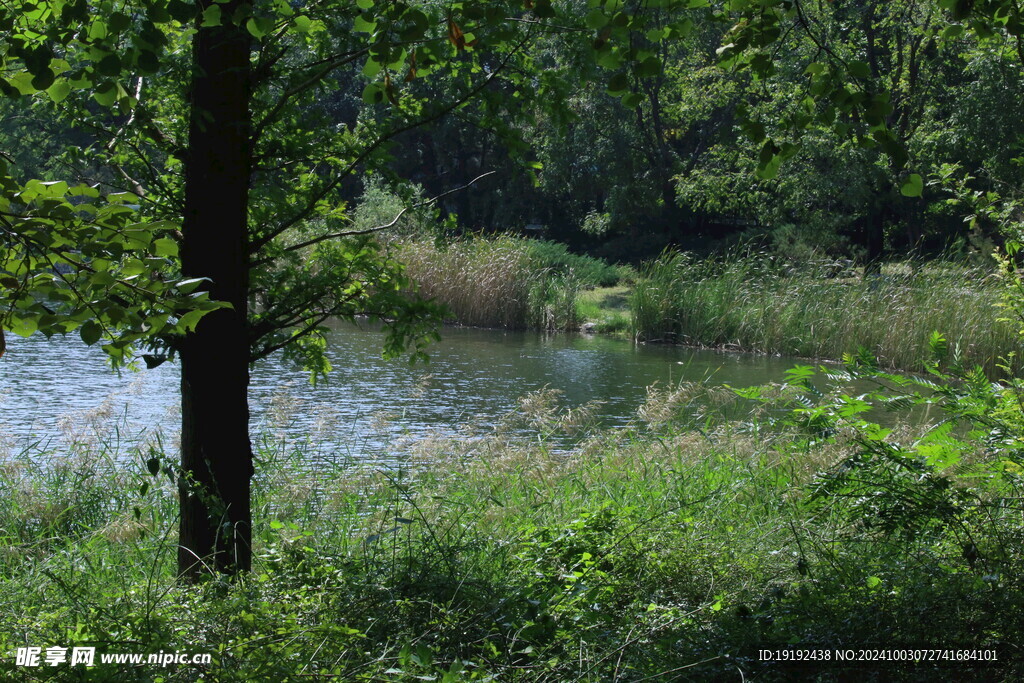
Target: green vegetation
<point>760,303</point>
<point>607,308</point>
<point>201,205</point>
<point>683,543</point>
<point>493,283</point>
<point>587,270</point>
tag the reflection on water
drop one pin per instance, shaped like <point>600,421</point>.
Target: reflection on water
<point>473,376</point>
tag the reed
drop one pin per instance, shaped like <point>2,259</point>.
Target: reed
<point>492,283</point>
<point>758,304</point>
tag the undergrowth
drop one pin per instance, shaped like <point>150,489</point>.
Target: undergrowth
<point>716,525</point>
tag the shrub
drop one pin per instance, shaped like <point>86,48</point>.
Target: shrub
<point>557,259</point>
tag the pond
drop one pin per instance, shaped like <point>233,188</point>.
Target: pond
<point>56,391</point>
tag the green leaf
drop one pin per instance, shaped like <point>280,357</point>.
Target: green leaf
<point>23,327</point>
<point>632,100</point>
<point>22,82</point>
<point>189,321</point>
<point>54,189</point>
<point>953,32</point>
<point>373,93</point>
<point>859,69</point>
<point>650,67</point>
<point>596,18</point>
<point>769,160</point>
<point>106,94</point>
<point>97,30</point>
<point>610,58</point>
<point>938,345</point>
<point>59,90</point>
<point>543,9</point>
<point>371,68</point>
<point>109,66</point>
<point>147,61</point>
<point>259,26</point>
<point>618,83</point>
<point>211,16</point>
<point>43,79</point>
<point>119,21</point>
<point>188,286</point>
<point>165,247</point>
<point>365,23</point>
<point>90,332</point>
<point>912,186</point>
<point>102,279</point>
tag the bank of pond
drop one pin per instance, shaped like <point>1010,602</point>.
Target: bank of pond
<point>820,309</point>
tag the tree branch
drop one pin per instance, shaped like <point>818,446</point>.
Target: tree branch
<point>310,327</point>
<point>342,59</point>
<point>379,228</point>
<point>311,205</point>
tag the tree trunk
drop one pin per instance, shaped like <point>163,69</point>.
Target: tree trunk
<point>216,454</point>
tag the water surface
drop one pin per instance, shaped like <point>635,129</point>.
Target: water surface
<point>53,391</point>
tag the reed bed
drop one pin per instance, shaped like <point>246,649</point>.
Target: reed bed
<point>492,283</point>
<point>761,305</point>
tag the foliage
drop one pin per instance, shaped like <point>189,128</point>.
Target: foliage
<point>75,259</point>
<point>380,205</point>
<point>557,259</point>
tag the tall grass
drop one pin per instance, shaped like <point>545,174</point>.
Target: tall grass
<point>492,283</point>
<point>758,304</point>
<point>669,550</point>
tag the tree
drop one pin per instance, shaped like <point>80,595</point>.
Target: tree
<point>258,190</point>
<point>866,90</point>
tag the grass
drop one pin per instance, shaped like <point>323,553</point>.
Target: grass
<point>607,308</point>
<point>761,305</point>
<point>493,283</point>
<point>753,303</point>
<point>673,549</point>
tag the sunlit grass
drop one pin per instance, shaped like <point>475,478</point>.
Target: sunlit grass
<point>607,308</point>
<point>760,305</point>
<point>680,542</point>
<point>492,283</point>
